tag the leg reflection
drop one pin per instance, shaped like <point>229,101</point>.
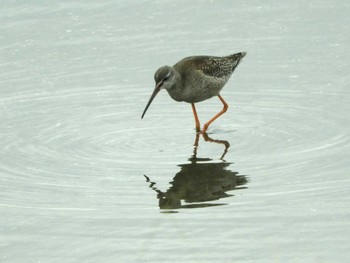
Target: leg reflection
<point>208,139</point>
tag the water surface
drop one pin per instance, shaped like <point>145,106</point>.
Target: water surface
<point>84,179</point>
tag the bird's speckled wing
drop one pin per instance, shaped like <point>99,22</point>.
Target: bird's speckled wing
<point>217,67</point>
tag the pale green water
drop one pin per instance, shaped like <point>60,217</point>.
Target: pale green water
<point>82,176</point>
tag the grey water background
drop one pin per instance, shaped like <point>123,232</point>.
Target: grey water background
<point>84,179</point>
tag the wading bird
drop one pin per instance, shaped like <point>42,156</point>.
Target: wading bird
<point>194,79</point>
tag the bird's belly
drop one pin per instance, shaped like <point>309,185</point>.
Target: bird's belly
<point>196,92</point>
<point>203,93</point>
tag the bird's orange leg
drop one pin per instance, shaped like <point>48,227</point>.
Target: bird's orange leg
<point>198,126</point>
<point>205,127</point>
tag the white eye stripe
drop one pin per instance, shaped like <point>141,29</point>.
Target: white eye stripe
<point>167,76</point>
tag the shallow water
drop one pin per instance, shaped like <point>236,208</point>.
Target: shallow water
<point>84,179</point>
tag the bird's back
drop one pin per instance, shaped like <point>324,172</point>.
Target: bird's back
<point>217,67</point>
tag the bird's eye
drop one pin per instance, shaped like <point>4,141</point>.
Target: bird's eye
<point>166,77</point>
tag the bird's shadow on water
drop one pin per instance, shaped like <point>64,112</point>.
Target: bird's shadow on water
<point>199,182</point>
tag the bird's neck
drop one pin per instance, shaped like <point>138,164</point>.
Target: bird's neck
<point>176,89</point>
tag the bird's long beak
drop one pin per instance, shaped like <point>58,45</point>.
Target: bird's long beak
<point>155,92</point>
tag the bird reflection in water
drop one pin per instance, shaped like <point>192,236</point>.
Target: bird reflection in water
<point>200,181</point>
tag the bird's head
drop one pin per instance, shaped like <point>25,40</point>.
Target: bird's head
<point>164,78</point>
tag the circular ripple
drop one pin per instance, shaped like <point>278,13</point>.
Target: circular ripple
<point>89,135</point>
<point>80,131</point>
<point>290,128</point>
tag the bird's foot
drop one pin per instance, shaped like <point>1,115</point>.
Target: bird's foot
<point>205,128</point>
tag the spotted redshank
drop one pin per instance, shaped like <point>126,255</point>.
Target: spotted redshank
<point>194,79</point>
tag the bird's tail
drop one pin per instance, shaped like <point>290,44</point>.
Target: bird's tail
<point>236,59</point>
<point>239,55</point>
